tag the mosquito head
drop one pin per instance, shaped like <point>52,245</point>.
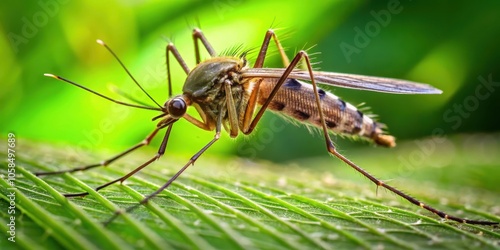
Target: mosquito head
<point>176,106</point>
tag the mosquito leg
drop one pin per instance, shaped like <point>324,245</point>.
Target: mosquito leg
<point>231,110</point>
<point>379,183</point>
<point>198,35</point>
<point>173,50</point>
<point>104,163</point>
<point>265,45</point>
<point>191,161</point>
<point>249,128</point>
<point>252,100</point>
<point>161,151</point>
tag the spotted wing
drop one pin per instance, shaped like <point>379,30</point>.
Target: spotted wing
<point>371,83</point>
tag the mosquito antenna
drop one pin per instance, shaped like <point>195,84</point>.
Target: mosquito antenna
<point>126,70</point>
<point>126,95</point>
<point>101,95</point>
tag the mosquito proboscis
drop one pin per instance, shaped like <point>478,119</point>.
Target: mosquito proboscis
<point>226,93</point>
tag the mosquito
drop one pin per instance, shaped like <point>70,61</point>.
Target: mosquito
<point>227,93</point>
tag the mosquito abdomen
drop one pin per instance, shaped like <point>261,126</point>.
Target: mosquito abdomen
<point>296,99</point>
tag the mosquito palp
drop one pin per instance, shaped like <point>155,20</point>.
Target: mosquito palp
<point>228,93</point>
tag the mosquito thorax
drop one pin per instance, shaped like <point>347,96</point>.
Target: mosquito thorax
<point>205,80</point>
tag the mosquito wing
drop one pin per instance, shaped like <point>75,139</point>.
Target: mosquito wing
<point>351,81</point>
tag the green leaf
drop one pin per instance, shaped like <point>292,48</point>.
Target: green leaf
<point>228,204</point>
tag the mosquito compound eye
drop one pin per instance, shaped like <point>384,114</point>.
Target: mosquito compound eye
<point>177,107</point>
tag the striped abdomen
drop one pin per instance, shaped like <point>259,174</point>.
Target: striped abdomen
<point>296,99</point>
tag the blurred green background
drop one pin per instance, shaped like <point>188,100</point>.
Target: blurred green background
<point>450,45</point>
